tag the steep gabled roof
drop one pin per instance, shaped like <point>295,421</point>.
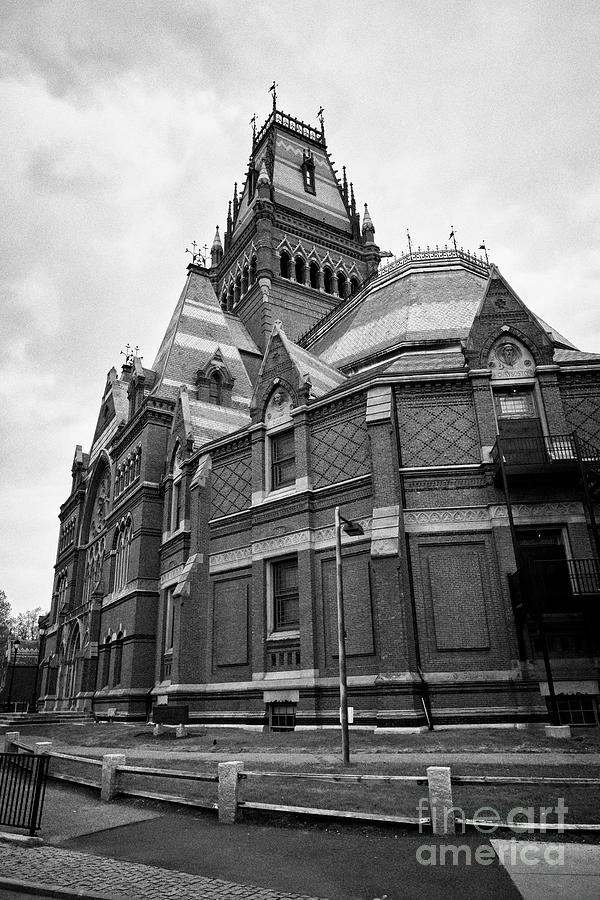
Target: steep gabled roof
<point>303,373</point>
<point>198,328</point>
<point>284,143</point>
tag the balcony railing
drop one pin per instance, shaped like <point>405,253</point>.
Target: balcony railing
<point>543,450</point>
<point>552,585</point>
<point>555,449</point>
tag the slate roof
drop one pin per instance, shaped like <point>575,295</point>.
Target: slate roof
<point>288,185</point>
<point>323,377</point>
<point>433,300</point>
<point>575,356</point>
<point>416,306</point>
<point>198,328</point>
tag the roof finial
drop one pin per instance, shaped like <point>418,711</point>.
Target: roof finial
<point>197,258</point>
<point>273,90</point>
<point>453,238</point>
<point>321,120</point>
<point>263,177</point>
<point>352,200</point>
<point>345,185</point>
<point>484,248</point>
<point>368,229</point>
<point>253,123</point>
<point>409,243</point>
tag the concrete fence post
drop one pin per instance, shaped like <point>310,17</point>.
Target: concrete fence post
<point>10,740</point>
<point>41,747</point>
<point>110,762</point>
<point>440,799</point>
<point>228,791</point>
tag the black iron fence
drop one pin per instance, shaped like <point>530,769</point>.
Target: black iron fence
<point>22,788</point>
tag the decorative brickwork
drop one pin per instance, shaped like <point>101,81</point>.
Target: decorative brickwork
<point>230,623</point>
<point>582,414</point>
<point>360,639</point>
<point>340,450</point>
<point>437,429</point>
<point>231,487</point>
<point>454,577</point>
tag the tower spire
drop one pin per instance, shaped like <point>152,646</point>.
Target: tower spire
<point>216,251</point>
<point>368,229</point>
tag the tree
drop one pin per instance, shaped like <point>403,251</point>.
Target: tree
<point>5,626</point>
<point>25,624</point>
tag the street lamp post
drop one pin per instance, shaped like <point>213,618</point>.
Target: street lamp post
<point>353,529</point>
<point>15,644</point>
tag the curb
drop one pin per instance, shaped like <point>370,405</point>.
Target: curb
<point>37,889</point>
<point>21,840</point>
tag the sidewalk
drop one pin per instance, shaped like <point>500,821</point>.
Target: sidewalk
<point>145,849</point>
<point>159,852</point>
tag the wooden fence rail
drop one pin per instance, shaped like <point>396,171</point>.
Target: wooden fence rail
<point>115,773</point>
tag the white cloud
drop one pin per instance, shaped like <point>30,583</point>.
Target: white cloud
<point>125,126</point>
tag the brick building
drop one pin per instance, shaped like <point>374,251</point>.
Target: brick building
<point>196,560</point>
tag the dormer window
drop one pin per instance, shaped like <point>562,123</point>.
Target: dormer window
<point>214,381</point>
<point>308,173</point>
<point>283,459</point>
<point>215,389</point>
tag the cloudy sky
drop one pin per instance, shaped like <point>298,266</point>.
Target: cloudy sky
<point>126,124</point>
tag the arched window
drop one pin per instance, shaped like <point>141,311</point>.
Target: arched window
<point>118,659</point>
<point>285,265</point>
<point>238,290</point>
<point>224,300</point>
<point>328,280</point>
<point>300,270</point>
<point>230,296</point>
<point>177,497</point>
<point>353,286</point>
<point>106,663</point>
<point>123,548</point>
<point>245,276</point>
<point>341,284</point>
<point>253,270</point>
<point>314,274</point>
<point>215,388</point>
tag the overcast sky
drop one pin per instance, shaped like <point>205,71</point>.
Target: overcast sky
<point>125,125</point>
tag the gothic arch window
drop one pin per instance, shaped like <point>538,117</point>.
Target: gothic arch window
<point>123,548</point>
<point>106,663</point>
<point>61,591</point>
<point>177,494</point>
<point>341,284</point>
<point>253,270</point>
<point>245,280</point>
<point>93,569</point>
<point>281,453</point>
<point>238,290</point>
<point>314,274</point>
<point>353,286</point>
<point>224,300</point>
<point>230,297</point>
<point>308,173</point>
<point>300,267</point>
<point>285,264</point>
<point>328,280</point>
<point>118,654</point>
<point>215,388</point>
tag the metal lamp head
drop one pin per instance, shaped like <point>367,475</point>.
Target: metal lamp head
<point>354,529</point>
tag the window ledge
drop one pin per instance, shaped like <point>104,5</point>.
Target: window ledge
<point>283,635</point>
